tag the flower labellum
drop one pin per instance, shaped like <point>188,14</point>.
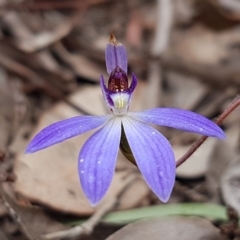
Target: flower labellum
<point>150,149</point>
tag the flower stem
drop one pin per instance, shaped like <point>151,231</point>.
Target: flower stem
<point>234,104</point>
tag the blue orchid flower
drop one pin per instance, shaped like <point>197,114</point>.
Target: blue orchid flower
<point>151,150</point>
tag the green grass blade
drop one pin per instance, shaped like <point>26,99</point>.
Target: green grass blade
<point>210,211</point>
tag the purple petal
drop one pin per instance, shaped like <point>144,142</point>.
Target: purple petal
<point>180,119</point>
<point>62,130</point>
<point>97,160</point>
<point>106,93</point>
<point>133,85</point>
<point>154,156</point>
<point>115,55</point>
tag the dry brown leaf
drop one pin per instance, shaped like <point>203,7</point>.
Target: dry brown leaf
<point>233,136</point>
<point>6,111</point>
<point>228,8</point>
<point>200,45</point>
<point>46,38</point>
<point>182,86</point>
<point>135,29</point>
<point>196,165</point>
<point>169,228</point>
<point>32,218</point>
<point>222,154</point>
<point>230,182</point>
<point>80,64</point>
<point>3,236</point>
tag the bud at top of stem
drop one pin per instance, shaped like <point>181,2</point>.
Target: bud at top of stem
<point>115,55</point>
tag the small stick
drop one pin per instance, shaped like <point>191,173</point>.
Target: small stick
<point>2,156</point>
<point>10,177</point>
<point>88,227</point>
<point>201,140</point>
<point>15,215</point>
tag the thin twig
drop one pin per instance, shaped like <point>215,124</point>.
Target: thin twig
<point>49,5</point>
<point>164,27</point>
<point>9,177</point>
<point>37,81</point>
<point>201,140</point>
<point>222,75</point>
<point>88,227</point>
<point>2,156</point>
<point>159,45</point>
<point>15,215</point>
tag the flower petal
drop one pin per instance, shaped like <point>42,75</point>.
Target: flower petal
<point>180,119</point>
<point>62,130</point>
<point>154,156</point>
<point>115,55</point>
<point>133,85</point>
<point>106,93</point>
<point>97,160</point>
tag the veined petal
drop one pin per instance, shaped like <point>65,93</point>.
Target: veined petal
<point>154,156</point>
<point>180,119</point>
<point>97,160</point>
<point>62,130</point>
<point>115,56</point>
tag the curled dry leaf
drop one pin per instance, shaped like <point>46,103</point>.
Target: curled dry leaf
<point>221,156</point>
<point>230,185</point>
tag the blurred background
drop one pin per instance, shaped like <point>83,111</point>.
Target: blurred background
<point>185,53</point>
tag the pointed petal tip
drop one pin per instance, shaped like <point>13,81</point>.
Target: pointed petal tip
<point>165,199</point>
<point>30,149</point>
<point>222,135</point>
<point>166,194</point>
<point>217,132</point>
<point>34,146</point>
<point>93,203</point>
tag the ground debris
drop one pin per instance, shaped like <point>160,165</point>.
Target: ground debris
<point>185,54</point>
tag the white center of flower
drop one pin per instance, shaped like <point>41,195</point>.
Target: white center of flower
<point>121,103</point>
